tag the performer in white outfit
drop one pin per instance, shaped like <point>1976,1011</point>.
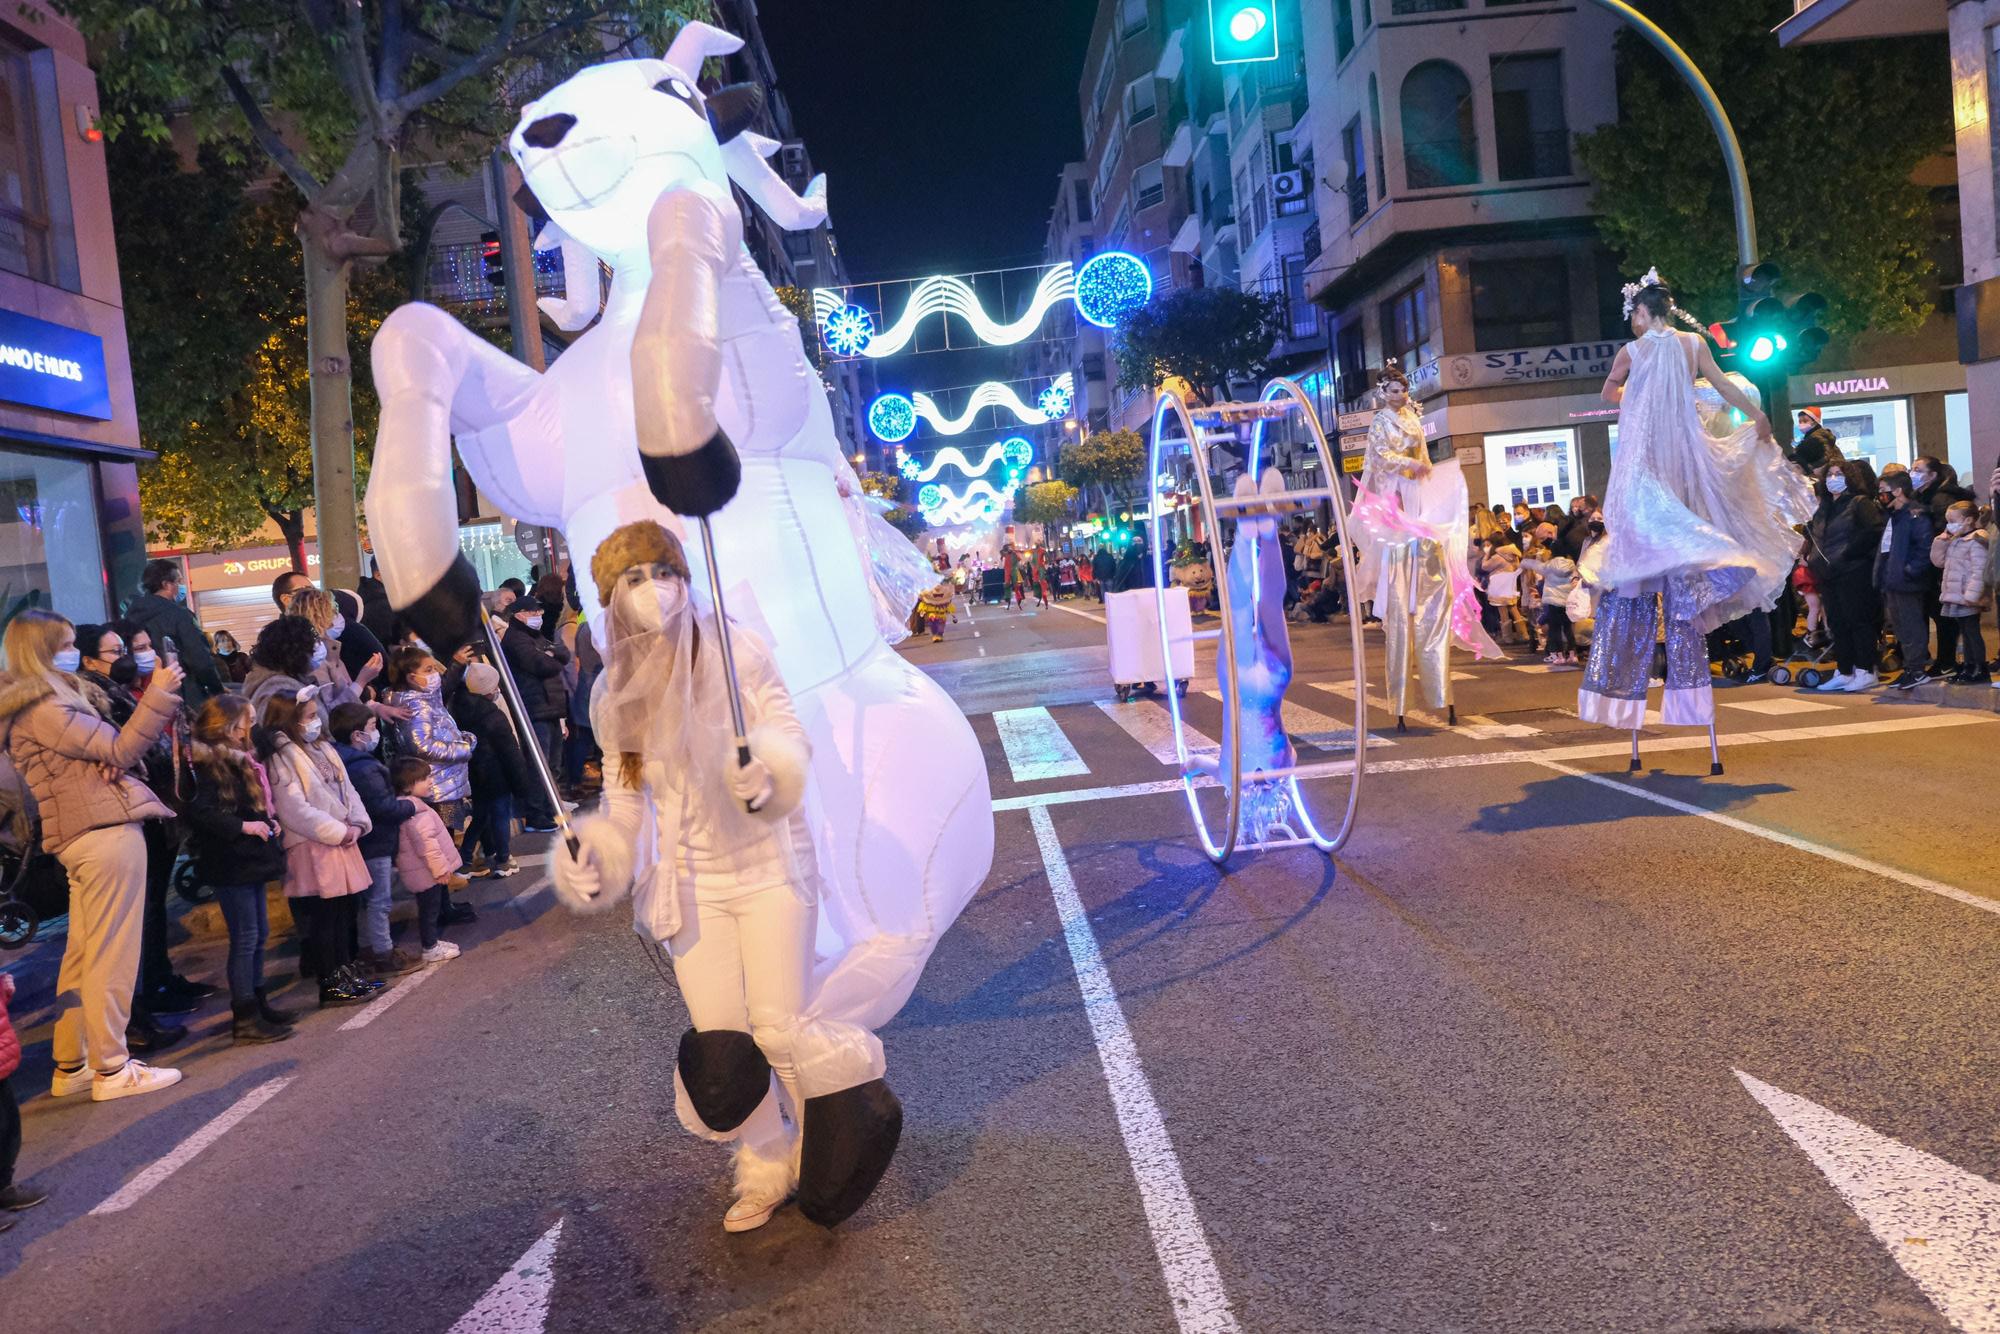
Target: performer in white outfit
<point>715,856</point>
<point>1410,518</point>
<point>1700,523</point>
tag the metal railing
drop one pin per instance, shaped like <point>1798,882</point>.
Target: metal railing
<point>1533,155</point>
<point>1440,162</point>
<point>1424,6</point>
<point>456,276</point>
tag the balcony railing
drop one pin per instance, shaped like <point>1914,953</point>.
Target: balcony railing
<point>1424,6</point>
<point>1441,162</point>
<point>1357,199</point>
<point>1525,157</point>
<point>1311,241</point>
<point>457,277</point>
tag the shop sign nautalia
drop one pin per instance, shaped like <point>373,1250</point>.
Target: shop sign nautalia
<point>1527,365</point>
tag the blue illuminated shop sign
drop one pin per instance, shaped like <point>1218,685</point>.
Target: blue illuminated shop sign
<point>45,365</point>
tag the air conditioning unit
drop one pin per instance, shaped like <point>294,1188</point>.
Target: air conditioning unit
<point>1287,186</point>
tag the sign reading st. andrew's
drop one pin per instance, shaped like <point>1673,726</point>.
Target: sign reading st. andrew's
<point>44,365</point>
<point>1529,365</point>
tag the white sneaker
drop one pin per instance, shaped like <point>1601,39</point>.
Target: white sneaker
<point>1863,681</point>
<point>441,952</point>
<point>63,1085</point>
<point>1838,681</point>
<point>752,1211</point>
<point>137,1077</point>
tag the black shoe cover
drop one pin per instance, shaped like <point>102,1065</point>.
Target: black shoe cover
<point>850,1136</point>
<point>695,485</point>
<point>726,1076</point>
<point>447,616</point>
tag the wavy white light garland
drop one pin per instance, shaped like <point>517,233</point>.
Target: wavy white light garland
<point>1014,451</point>
<point>981,500</point>
<point>1105,288</point>
<point>992,394</point>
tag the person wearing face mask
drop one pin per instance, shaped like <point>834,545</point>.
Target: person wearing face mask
<point>416,684</point>
<point>321,822</point>
<point>357,643</point>
<point>1841,542</point>
<point>336,686</point>
<point>1960,552</point>
<point>730,896</point>
<point>1936,488</point>
<point>79,769</point>
<point>1903,573</point>
<point>356,738</point>
<point>537,665</point>
<point>287,653</point>
<point>161,610</point>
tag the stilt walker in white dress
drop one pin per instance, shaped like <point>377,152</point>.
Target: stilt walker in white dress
<point>1700,528</point>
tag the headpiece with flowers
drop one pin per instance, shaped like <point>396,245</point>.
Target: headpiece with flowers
<point>1652,278</point>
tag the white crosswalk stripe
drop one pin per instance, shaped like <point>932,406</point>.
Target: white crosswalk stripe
<point>1152,726</point>
<point>1309,727</point>
<point>1036,747</point>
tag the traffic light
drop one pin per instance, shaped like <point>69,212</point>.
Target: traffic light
<point>1771,339</point>
<point>1243,30</point>
<point>490,262</point>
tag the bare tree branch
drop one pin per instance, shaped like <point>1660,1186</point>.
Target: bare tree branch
<point>267,137</point>
<point>495,50</point>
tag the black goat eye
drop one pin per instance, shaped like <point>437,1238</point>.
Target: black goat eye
<point>675,87</point>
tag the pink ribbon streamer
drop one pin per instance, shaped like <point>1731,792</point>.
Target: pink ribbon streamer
<point>1384,515</point>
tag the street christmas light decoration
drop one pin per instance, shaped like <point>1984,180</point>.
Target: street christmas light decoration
<point>892,418</point>
<point>848,330</point>
<point>1111,286</point>
<point>1056,399</point>
<point>1018,452</point>
<point>1243,30</point>
<point>1014,454</point>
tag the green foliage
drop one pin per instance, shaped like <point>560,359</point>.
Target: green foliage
<point>908,520</point>
<point>798,300</point>
<point>886,485</point>
<point>1841,217</point>
<point>218,342</point>
<point>1045,503</point>
<point>1107,459</point>
<point>1208,336</point>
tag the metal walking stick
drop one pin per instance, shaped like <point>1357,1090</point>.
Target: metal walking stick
<point>534,748</point>
<point>728,653</point>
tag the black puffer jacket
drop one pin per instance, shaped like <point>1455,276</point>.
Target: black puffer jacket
<point>537,666</point>
<point>386,810</point>
<point>1843,537</point>
<point>1943,492</point>
<point>498,766</point>
<point>223,854</point>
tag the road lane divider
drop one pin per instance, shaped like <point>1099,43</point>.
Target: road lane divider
<point>1148,723</point>
<point>1793,841</point>
<point>1201,1306</point>
<point>181,1154</point>
<point>382,1004</point>
<point>1036,747</point>
<point>518,1301</point>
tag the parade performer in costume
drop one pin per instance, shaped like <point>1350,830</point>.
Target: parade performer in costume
<point>1409,515</point>
<point>728,891</point>
<point>688,396</point>
<point>935,606</point>
<point>1703,524</point>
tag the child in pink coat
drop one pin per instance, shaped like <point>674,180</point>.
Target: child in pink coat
<point>426,860</point>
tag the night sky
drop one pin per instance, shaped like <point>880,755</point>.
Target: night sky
<point>941,124</point>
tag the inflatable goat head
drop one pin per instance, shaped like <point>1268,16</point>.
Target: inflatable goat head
<point>600,148</point>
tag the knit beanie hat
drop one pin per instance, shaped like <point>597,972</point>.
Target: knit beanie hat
<point>482,679</point>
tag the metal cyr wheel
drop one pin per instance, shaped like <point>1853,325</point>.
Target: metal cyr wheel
<point>1281,398</point>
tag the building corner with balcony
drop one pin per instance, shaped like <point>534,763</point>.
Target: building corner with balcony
<point>70,531</point>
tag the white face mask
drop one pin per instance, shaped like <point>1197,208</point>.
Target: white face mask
<point>335,630</point>
<point>145,660</point>
<point>367,741</point>
<point>1920,480</point>
<point>1955,525</point>
<point>311,730</point>
<point>68,659</point>
<point>1836,483</point>
<point>532,622</point>
<point>427,682</point>
<point>655,604</point>
<point>319,656</point>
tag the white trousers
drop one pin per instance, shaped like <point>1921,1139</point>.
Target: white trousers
<point>743,963</point>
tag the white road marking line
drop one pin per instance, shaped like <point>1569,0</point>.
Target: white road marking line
<point>1595,751</point>
<point>1036,747</point>
<point>518,1303</point>
<point>181,1154</point>
<point>1793,841</point>
<point>1075,611</point>
<point>1310,727</point>
<point>376,1008</point>
<point>1481,728</point>
<point>1345,689</point>
<point>1152,726</point>
<point>982,650</point>
<point>1939,1222</point>
<point>1541,668</point>
<point>1194,1284</point>
<point>1777,707</point>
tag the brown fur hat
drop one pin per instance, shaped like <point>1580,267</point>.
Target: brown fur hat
<point>641,543</point>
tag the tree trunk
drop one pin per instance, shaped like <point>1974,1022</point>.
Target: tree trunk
<point>332,408</point>
<point>292,524</point>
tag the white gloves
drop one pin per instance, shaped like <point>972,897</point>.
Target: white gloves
<point>600,875</point>
<point>751,783</point>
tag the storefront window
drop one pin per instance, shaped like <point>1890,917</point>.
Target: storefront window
<point>1878,432</point>
<point>1958,437</point>
<point>493,553</point>
<point>1532,467</point>
<point>50,549</point>
<point>24,221</point>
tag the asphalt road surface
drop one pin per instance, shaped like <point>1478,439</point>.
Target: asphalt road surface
<point>1547,1047</point>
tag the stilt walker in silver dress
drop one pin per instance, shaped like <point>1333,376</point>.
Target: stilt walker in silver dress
<point>1699,527</point>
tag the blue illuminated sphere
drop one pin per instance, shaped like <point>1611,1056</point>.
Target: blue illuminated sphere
<point>1111,286</point>
<point>1017,451</point>
<point>892,418</point>
<point>848,330</point>
<point>1054,402</point>
<point>930,497</point>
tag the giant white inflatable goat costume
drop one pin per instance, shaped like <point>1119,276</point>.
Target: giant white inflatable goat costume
<point>694,370</point>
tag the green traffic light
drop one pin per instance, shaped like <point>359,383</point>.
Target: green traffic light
<point>1247,23</point>
<point>1243,30</point>
<point>1766,346</point>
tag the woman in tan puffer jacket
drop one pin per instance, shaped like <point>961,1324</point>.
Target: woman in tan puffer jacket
<point>78,767</point>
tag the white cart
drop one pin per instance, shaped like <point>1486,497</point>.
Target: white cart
<point>1132,622</point>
